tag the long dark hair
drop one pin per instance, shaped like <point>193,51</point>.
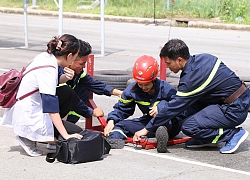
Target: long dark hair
<point>63,45</point>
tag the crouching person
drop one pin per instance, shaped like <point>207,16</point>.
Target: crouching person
<point>36,118</point>
<point>148,93</point>
<point>82,84</point>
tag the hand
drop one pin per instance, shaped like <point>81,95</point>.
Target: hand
<point>117,92</point>
<point>138,134</point>
<point>154,111</point>
<point>69,73</point>
<point>109,127</point>
<point>76,135</point>
<point>98,112</point>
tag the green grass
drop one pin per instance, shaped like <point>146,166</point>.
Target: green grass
<point>226,10</point>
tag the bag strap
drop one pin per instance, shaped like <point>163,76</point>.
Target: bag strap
<point>52,156</point>
<point>34,68</point>
<point>26,95</point>
<point>38,67</point>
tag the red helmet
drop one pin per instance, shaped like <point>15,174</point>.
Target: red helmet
<point>145,69</point>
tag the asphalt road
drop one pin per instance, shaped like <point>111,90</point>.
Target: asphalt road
<point>124,42</point>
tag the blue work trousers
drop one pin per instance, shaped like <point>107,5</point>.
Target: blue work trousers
<point>130,127</point>
<point>205,124</point>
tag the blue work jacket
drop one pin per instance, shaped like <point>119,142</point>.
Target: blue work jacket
<point>83,83</point>
<point>136,96</point>
<point>204,81</point>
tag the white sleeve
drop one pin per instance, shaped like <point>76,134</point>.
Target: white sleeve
<point>47,79</point>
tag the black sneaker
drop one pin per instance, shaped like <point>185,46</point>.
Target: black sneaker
<point>162,139</point>
<point>116,143</point>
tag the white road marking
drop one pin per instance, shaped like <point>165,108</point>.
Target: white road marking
<point>6,48</point>
<point>187,161</point>
<point>5,70</point>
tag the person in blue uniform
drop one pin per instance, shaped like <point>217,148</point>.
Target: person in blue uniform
<point>149,93</point>
<point>82,83</point>
<point>219,99</point>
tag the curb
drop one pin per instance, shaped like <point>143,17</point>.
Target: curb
<point>218,25</point>
<point>80,16</point>
<point>197,23</point>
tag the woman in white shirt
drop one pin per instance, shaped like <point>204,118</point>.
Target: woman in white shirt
<point>36,117</point>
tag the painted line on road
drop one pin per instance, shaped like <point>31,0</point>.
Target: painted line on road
<point>5,70</point>
<point>187,161</point>
<point>4,48</point>
<point>11,48</point>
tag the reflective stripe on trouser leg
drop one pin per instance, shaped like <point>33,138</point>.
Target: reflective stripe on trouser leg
<point>218,136</point>
<point>120,131</point>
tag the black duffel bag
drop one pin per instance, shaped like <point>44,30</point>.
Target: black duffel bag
<point>91,147</point>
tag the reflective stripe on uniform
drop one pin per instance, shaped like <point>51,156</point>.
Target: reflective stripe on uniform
<point>209,79</point>
<point>126,101</point>
<point>143,103</point>
<point>218,136</point>
<point>63,84</point>
<point>155,104</point>
<point>74,113</point>
<point>82,76</point>
<point>120,131</point>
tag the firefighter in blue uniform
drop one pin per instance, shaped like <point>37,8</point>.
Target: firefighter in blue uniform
<point>149,93</point>
<point>83,83</point>
<point>219,99</point>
